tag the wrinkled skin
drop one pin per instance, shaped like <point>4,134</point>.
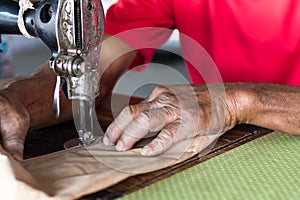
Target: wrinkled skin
<point>28,102</point>
<point>178,112</point>
<point>14,123</point>
<point>182,112</point>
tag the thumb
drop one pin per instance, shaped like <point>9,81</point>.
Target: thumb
<point>14,123</point>
<point>14,144</point>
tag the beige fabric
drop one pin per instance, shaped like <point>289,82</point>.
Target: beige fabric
<point>75,172</point>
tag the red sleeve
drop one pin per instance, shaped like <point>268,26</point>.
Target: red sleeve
<point>143,24</point>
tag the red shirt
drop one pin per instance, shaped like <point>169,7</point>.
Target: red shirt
<point>249,41</point>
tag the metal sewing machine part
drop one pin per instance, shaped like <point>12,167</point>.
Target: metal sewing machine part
<point>73,30</point>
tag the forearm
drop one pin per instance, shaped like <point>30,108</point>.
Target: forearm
<point>115,58</point>
<point>272,106</point>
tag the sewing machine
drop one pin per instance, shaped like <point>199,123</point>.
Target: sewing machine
<point>73,31</point>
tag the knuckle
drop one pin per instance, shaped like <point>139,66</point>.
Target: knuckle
<point>172,113</point>
<point>167,98</point>
<point>12,140</point>
<point>126,110</point>
<point>144,118</point>
<point>126,113</point>
<point>14,127</point>
<point>166,136</point>
<point>158,89</point>
<point>130,110</point>
<point>158,144</point>
<point>138,126</point>
<point>172,131</point>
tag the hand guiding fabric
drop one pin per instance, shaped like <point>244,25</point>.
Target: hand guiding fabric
<point>175,112</point>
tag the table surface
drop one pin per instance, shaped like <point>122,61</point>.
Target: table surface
<point>50,139</point>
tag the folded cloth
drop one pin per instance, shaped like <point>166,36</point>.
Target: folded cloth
<point>75,172</point>
<point>16,181</point>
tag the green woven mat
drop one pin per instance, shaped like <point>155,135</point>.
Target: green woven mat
<point>265,168</point>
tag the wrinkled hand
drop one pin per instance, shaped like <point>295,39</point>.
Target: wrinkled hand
<point>178,112</point>
<point>14,123</point>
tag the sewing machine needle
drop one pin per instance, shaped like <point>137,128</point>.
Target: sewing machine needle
<point>86,131</point>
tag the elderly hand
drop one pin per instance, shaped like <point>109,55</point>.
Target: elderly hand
<point>14,123</point>
<point>178,112</point>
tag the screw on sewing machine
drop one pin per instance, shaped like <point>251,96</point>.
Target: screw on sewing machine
<point>71,64</point>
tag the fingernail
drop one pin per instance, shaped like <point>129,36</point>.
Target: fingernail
<point>120,146</point>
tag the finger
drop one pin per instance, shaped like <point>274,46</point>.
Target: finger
<point>163,141</point>
<point>14,144</point>
<point>116,128</point>
<point>147,121</point>
<point>13,131</point>
<point>155,93</point>
<point>14,123</point>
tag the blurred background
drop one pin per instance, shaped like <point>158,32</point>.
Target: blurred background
<point>166,68</point>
